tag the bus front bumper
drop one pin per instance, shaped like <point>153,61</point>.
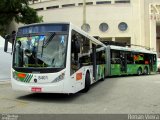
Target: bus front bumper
<point>38,88</point>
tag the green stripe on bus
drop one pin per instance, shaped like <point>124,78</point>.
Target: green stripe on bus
<point>30,77</point>
<point>26,79</point>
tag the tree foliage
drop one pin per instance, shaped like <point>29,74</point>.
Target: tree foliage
<point>17,10</point>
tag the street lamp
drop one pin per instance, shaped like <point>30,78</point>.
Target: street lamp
<point>84,16</point>
<point>84,12</point>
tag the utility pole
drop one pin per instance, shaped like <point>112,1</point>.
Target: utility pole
<point>84,12</point>
<point>84,15</point>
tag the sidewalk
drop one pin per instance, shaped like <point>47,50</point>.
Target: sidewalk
<point>5,81</point>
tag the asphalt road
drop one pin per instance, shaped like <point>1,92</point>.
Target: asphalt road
<point>5,65</point>
<point>133,94</point>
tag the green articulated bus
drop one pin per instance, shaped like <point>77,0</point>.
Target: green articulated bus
<point>129,61</point>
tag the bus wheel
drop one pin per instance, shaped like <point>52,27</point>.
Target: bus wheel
<point>146,71</point>
<point>139,71</point>
<point>87,82</point>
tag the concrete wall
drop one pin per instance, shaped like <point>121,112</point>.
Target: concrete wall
<point>141,29</point>
<point>150,24</point>
<point>112,14</point>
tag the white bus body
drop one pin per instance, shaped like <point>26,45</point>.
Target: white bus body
<point>60,81</point>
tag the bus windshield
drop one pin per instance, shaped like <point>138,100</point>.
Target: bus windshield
<point>47,50</point>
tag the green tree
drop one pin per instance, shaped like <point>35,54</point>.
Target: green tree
<point>17,10</point>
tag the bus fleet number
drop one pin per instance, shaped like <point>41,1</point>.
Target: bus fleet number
<point>42,77</point>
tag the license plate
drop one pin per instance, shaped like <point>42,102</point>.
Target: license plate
<point>36,89</point>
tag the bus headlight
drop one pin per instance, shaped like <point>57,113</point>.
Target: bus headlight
<point>59,78</point>
<point>15,76</point>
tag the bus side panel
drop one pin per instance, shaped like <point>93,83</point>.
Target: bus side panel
<point>154,67</point>
<point>115,69</point>
<point>100,71</point>
<point>132,68</point>
<point>108,62</point>
<point>78,79</point>
<point>69,83</point>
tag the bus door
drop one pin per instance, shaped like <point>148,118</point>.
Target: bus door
<point>94,61</point>
<point>123,58</point>
<point>152,61</point>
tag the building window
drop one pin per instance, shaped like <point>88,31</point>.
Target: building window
<point>103,27</point>
<point>122,1</point>
<point>85,27</point>
<point>52,7</point>
<point>39,9</point>
<point>122,26</point>
<point>103,2</point>
<point>87,3</point>
<point>68,5</point>
<point>80,4</point>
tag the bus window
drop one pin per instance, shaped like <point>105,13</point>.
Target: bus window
<point>75,50</point>
<point>80,47</point>
<point>85,60</point>
<point>154,59</point>
<point>130,59</point>
<point>115,57</point>
<point>100,57</point>
<point>85,45</point>
<point>139,58</point>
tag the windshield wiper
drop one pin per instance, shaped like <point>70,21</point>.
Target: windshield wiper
<point>47,42</point>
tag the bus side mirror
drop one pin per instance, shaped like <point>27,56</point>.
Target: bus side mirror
<point>7,37</point>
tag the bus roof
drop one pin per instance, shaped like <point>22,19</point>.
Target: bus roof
<point>36,24</point>
<point>72,26</point>
<point>42,28</point>
<point>94,40</point>
<point>141,50</point>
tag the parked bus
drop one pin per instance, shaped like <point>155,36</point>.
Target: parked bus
<point>61,58</point>
<point>52,58</point>
<point>130,61</point>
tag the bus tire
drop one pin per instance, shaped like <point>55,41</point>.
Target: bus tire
<point>146,71</point>
<point>87,82</point>
<point>139,71</point>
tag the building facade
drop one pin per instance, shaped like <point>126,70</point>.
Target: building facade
<point>135,22</point>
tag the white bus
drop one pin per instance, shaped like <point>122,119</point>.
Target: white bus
<point>55,58</point>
